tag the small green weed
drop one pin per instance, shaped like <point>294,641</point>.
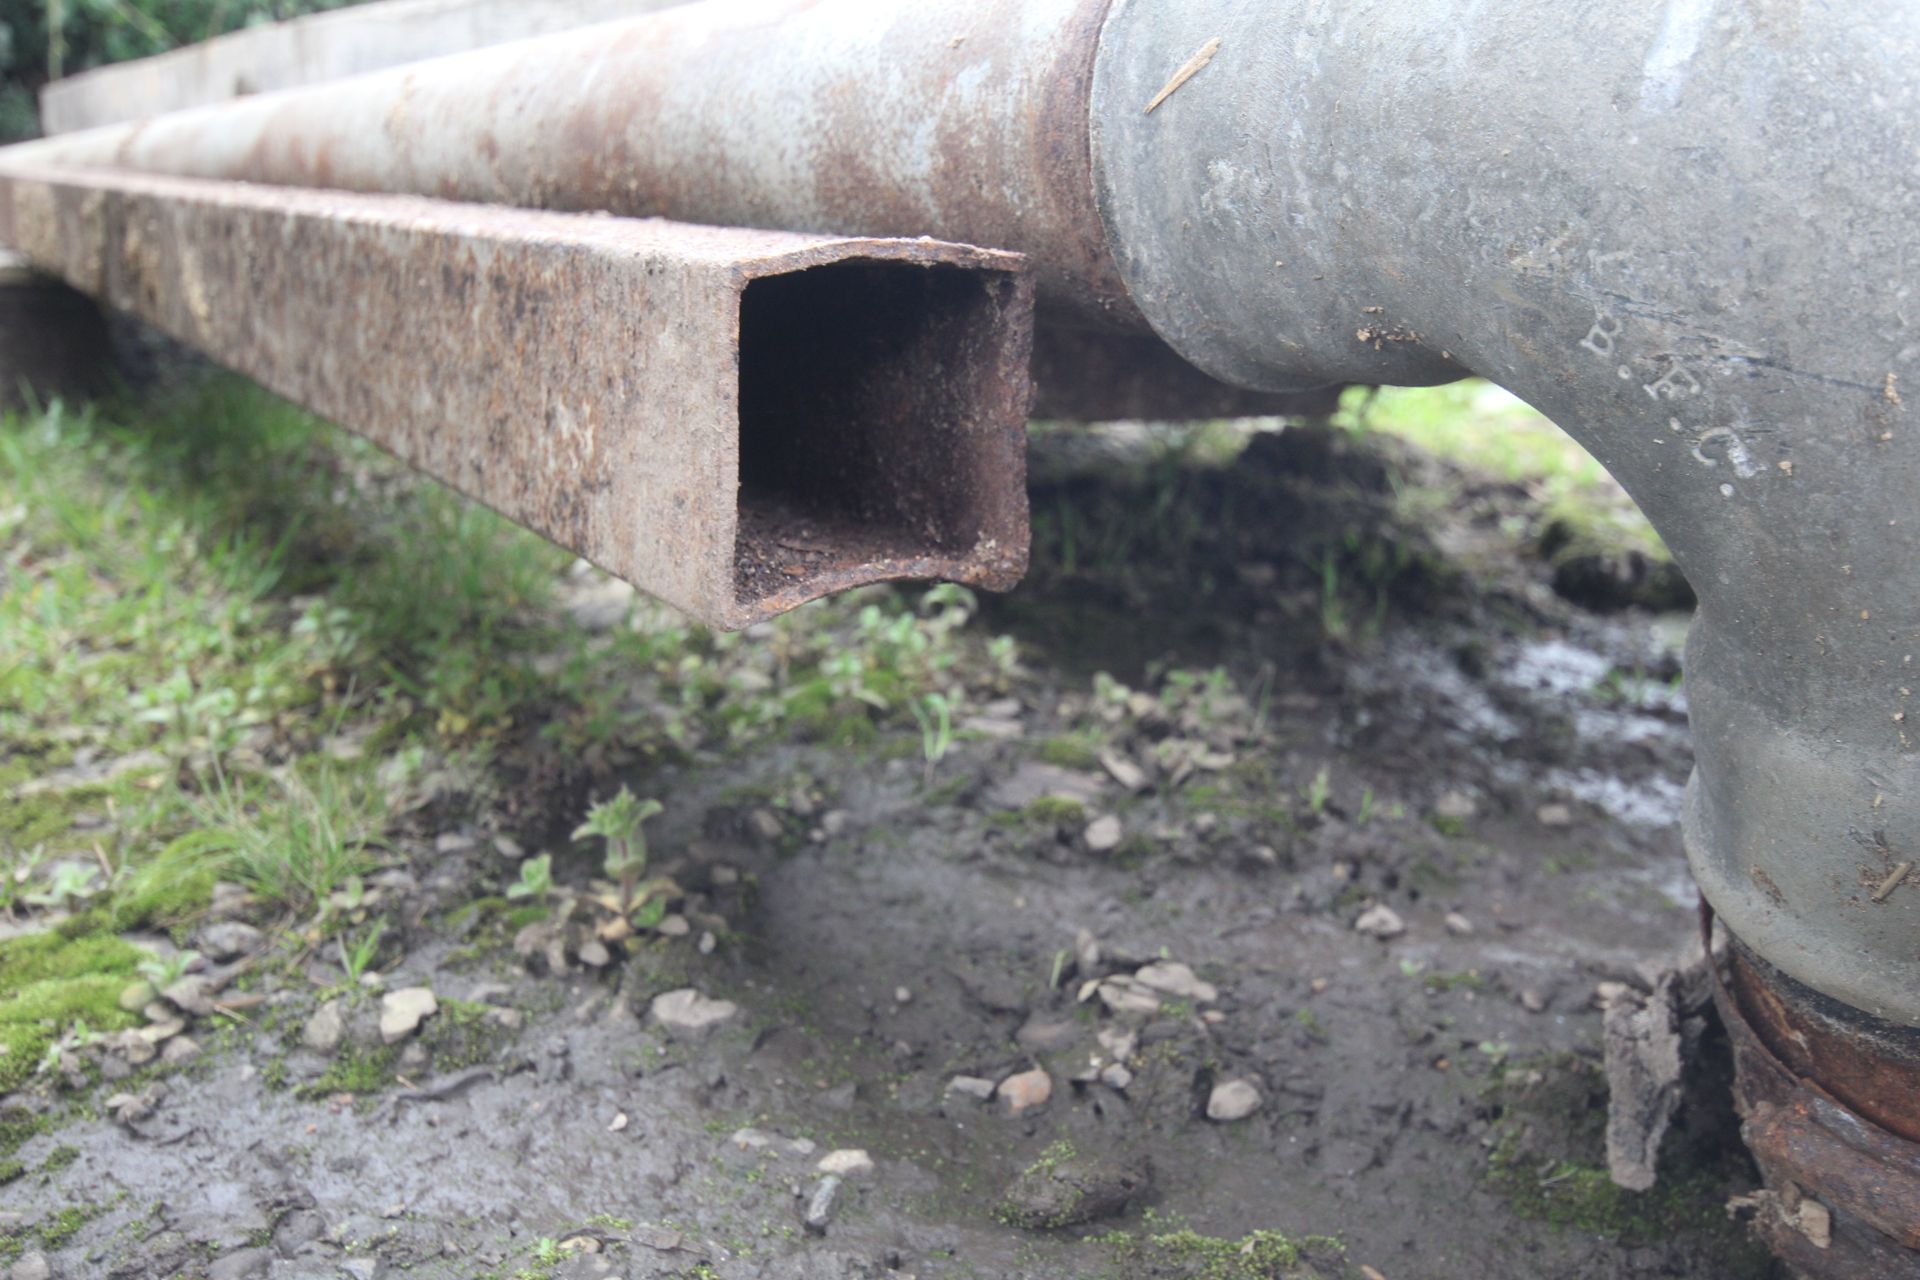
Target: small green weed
<point>536,879</point>
<point>620,823</point>
<point>72,883</point>
<point>1318,792</point>
<point>934,714</point>
<point>357,959</point>
<point>165,970</point>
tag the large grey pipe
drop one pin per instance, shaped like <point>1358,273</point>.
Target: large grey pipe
<point>1689,233</point>
<point>1686,231</point>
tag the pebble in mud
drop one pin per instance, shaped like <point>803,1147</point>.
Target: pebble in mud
<point>1177,980</point>
<point>1104,833</point>
<point>31,1266</point>
<point>976,1087</point>
<point>1124,771</point>
<point>229,939</point>
<point>820,1207</point>
<point>402,1012</point>
<point>1123,995</point>
<point>325,1029</point>
<point>1554,815</point>
<point>1456,805</point>
<point>1232,1100</point>
<point>1027,1091</point>
<point>192,995</point>
<point>1380,921</point>
<point>687,1011</point>
<point>849,1162</point>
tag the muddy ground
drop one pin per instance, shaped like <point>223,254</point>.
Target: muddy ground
<point>1410,717</point>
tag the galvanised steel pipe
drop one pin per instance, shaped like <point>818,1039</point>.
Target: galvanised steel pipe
<point>1686,231</point>
<point>1690,234</point>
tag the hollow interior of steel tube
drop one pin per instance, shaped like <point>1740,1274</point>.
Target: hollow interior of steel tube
<point>875,405</point>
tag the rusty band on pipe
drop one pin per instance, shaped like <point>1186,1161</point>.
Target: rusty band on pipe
<point>1843,1193</point>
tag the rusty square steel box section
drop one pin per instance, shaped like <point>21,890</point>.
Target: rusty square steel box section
<point>734,421</point>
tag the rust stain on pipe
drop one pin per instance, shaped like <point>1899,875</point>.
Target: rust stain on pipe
<point>1867,1065</point>
<point>733,421</point>
<point>833,116</point>
<point>1829,1113</point>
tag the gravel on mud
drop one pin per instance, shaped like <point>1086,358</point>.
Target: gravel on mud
<point>1285,972</point>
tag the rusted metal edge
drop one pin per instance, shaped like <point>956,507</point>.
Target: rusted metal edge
<point>1869,1066</point>
<point>762,115</point>
<point>1842,1194</point>
<point>734,421</point>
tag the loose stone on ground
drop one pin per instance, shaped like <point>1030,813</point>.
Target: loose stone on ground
<point>325,1029</point>
<point>1104,833</point>
<point>402,1012</point>
<point>1380,921</point>
<point>1027,1091</point>
<point>848,1162</point>
<point>687,1011</point>
<point>1232,1100</point>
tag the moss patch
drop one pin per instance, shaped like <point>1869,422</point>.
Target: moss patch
<point>463,1034</point>
<point>49,982</point>
<point>171,889</point>
<point>1185,1254</point>
<point>63,1226</point>
<point>354,1070</point>
<point>1072,751</point>
<point>1548,1161</point>
<point>1055,811</point>
<point>45,821</point>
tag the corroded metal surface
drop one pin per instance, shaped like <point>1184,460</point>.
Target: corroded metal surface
<point>733,421</point>
<point>968,121</point>
<point>1870,1066</point>
<point>964,120</point>
<point>1842,1197</point>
